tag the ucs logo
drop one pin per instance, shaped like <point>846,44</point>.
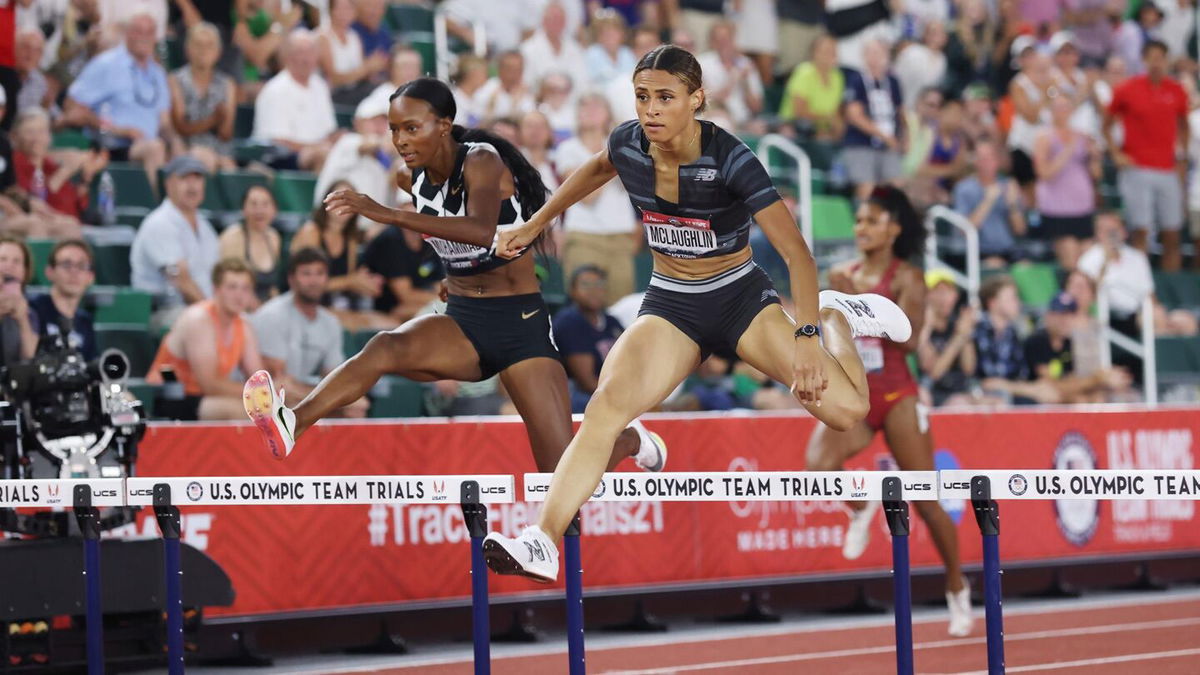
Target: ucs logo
<point>493,490</point>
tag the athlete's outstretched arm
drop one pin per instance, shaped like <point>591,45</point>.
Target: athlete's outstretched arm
<point>779,226</point>
<point>482,172</point>
<point>588,178</point>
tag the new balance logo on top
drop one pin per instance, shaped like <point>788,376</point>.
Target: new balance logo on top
<point>536,550</point>
<point>706,175</point>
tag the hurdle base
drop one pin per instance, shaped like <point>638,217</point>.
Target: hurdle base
<point>1146,581</point>
<point>756,611</point>
<point>520,630</point>
<point>640,622</point>
<point>385,642</point>
<point>246,653</point>
<point>862,603</point>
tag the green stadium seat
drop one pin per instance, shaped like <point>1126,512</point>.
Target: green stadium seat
<point>126,306</point>
<point>832,218</point>
<point>1177,355</point>
<point>397,397</point>
<point>112,265</point>
<point>133,339</point>
<point>70,139</point>
<point>409,18</point>
<point>1184,289</point>
<point>344,115</point>
<point>212,194</point>
<point>294,190</point>
<point>243,121</point>
<point>353,342</point>
<point>232,186</point>
<point>40,248</point>
<point>130,185</point>
<point>1165,290</point>
<point>1036,283</point>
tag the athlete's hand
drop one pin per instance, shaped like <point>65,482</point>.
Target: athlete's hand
<point>512,243</point>
<point>349,202</point>
<point>809,380</point>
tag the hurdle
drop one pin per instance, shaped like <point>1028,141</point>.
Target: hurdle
<point>984,488</point>
<point>473,493</point>
<point>893,488</point>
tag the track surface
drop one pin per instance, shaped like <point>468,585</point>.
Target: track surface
<point>1127,633</point>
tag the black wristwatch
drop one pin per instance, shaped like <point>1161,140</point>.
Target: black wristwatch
<point>807,330</point>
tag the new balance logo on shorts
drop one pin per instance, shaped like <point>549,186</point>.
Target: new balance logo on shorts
<point>536,550</point>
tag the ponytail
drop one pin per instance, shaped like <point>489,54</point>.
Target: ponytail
<point>898,207</point>
<point>527,181</point>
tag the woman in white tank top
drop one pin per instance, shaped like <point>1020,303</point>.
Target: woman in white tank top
<point>341,56</point>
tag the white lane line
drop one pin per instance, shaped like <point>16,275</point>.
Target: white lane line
<point>1100,661</point>
<point>937,644</point>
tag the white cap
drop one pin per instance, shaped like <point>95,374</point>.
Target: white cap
<point>1061,39</point>
<point>374,105</point>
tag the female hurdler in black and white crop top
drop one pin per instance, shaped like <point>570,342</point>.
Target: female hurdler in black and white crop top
<point>698,190</point>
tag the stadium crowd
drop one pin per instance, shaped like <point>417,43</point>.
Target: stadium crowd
<point>177,152</point>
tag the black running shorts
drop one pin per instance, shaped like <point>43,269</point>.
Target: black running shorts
<point>504,330</point>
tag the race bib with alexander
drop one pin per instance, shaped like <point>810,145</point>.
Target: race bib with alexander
<point>677,236</point>
<point>458,256</point>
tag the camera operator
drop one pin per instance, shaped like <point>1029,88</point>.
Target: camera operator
<point>209,340</point>
<point>70,271</point>
<point>18,324</point>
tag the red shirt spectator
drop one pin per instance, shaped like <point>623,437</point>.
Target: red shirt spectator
<point>67,199</point>
<point>1151,113</point>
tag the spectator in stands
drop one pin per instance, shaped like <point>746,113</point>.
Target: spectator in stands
<point>980,120</point>
<point>300,340</point>
<point>122,97</point>
<point>585,333</point>
<point>800,24</point>
<point>1000,356</point>
<point>1153,109</point>
<point>552,50</point>
<point>410,270</point>
<point>620,89</point>
<point>993,205</point>
<point>921,123</point>
<point>1030,94</point>
<point>812,99</point>
<point>1121,272</point>
<point>47,178</point>
<point>351,287</point>
<point>70,271</point>
<point>206,346</point>
<point>175,247</point>
<point>948,158</point>
<point>204,100</point>
<point>123,12</point>
<point>875,131</point>
<point>922,64</point>
<point>364,157</point>
<point>730,78</point>
<point>294,109</point>
<point>601,230</point>
<point>255,241</point>
<point>1115,72</point>
<point>1067,163</point>
<point>37,91</point>
<point>1090,29</point>
<point>697,18</point>
<point>1051,358</point>
<point>1129,35</point>
<point>407,65</point>
<point>970,47</point>
<point>1074,84</point>
<point>259,35</point>
<point>221,15</point>
<point>857,22</point>
<point>350,72</point>
<point>368,23</point>
<point>18,324</point>
<point>82,39</point>
<point>505,24</point>
<point>608,57</point>
<point>505,95</point>
<point>555,101</point>
<point>536,143</point>
<point>471,76</point>
<point>946,347</point>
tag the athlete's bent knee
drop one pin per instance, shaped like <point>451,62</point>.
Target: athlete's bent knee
<point>386,350</point>
<point>606,408</point>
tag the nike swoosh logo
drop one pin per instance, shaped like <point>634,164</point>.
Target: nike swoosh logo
<point>456,189</point>
<point>283,422</point>
<point>526,315</point>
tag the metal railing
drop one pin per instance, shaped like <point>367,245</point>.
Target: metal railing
<point>441,43</point>
<point>803,177</point>
<point>1145,349</point>
<point>970,280</point>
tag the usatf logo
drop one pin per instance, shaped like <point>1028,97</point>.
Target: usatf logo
<point>52,490</point>
<point>706,175</point>
<point>858,486</point>
<point>1017,484</point>
<point>600,490</point>
<point>1077,518</point>
<point>439,487</point>
<point>195,491</point>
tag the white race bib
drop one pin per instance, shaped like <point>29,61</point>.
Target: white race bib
<point>677,236</point>
<point>870,350</point>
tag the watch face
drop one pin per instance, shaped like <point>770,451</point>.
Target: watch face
<point>808,330</point>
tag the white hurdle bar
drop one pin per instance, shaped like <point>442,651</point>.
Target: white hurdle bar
<point>893,488</point>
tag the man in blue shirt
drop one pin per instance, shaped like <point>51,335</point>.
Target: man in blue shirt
<point>369,26</point>
<point>875,129</point>
<point>993,205</point>
<point>70,271</point>
<point>121,97</point>
<point>584,333</point>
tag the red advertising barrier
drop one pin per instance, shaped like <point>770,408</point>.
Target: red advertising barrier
<point>284,558</point>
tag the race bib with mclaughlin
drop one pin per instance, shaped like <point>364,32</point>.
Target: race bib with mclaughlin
<point>677,236</point>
